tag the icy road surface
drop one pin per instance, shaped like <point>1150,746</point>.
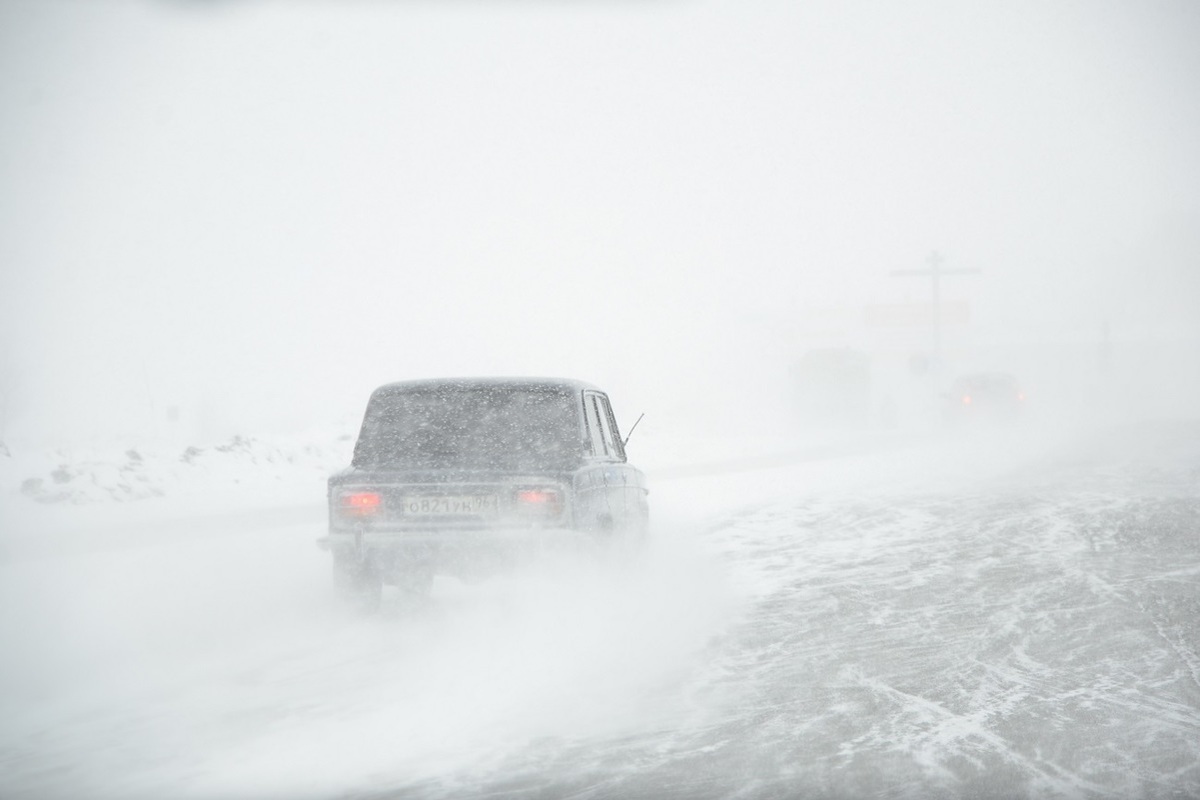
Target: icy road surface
<point>988,616</point>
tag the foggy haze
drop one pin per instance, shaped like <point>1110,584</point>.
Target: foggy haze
<point>880,547</point>
<point>254,213</point>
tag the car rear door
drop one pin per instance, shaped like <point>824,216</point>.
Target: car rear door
<point>618,496</point>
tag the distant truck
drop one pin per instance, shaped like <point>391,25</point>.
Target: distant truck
<point>467,476</point>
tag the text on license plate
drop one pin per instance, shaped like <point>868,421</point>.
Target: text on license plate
<point>451,504</point>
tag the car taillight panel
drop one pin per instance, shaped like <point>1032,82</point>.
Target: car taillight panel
<point>360,504</point>
<point>540,500</point>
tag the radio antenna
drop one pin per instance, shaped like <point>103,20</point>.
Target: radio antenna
<point>635,424</point>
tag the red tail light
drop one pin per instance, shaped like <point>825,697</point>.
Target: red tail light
<point>966,399</point>
<point>539,502</point>
<point>538,497</point>
<point>361,503</point>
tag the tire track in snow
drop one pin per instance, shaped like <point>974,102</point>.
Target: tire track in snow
<point>929,595</point>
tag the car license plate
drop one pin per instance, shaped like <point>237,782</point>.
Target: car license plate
<point>450,505</point>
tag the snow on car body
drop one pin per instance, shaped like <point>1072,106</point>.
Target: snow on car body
<point>463,476</point>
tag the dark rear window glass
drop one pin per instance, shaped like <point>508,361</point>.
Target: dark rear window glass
<point>471,427</point>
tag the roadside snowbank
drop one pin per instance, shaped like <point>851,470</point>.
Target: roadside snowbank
<point>280,469</point>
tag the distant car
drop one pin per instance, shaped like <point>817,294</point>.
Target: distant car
<point>467,476</point>
<point>985,396</point>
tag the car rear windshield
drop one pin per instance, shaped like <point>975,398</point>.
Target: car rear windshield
<point>471,427</point>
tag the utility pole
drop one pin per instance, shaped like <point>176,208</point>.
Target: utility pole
<point>935,271</point>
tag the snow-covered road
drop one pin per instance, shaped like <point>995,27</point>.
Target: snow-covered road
<point>993,615</point>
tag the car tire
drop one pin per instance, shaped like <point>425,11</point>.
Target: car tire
<point>357,585</point>
<point>414,581</point>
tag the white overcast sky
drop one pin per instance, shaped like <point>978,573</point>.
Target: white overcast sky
<point>264,209</point>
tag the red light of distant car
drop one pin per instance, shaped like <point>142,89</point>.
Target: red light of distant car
<point>361,503</point>
<point>1021,397</point>
<point>966,399</point>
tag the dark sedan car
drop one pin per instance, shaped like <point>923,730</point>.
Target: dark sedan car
<point>465,476</point>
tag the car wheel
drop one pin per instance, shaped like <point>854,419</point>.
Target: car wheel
<point>413,580</point>
<point>622,543</point>
<point>357,585</point>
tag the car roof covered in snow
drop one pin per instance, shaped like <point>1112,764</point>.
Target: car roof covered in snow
<point>400,387</point>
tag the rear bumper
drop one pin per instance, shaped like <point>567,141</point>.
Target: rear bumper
<point>452,551</point>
